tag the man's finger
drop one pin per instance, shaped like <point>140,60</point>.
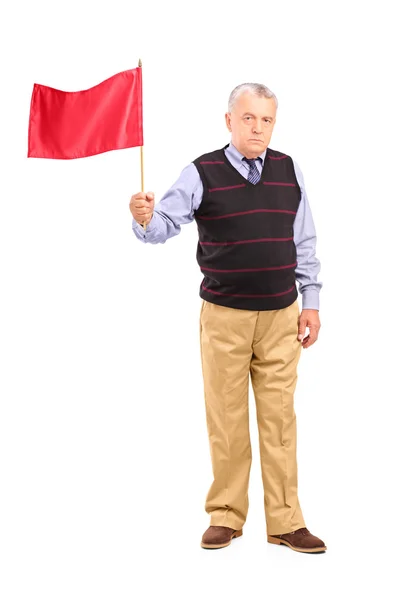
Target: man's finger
<point>310,339</point>
<point>302,329</point>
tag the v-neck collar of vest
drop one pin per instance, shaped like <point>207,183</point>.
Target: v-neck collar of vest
<point>230,165</point>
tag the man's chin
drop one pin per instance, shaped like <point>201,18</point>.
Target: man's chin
<point>256,146</point>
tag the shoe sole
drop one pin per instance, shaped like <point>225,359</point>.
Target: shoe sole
<point>273,540</point>
<point>235,534</point>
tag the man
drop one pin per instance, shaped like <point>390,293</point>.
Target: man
<point>256,237</point>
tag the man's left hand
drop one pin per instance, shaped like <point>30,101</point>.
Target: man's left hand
<point>308,318</point>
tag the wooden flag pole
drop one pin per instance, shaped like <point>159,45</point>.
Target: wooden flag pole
<point>141,160</point>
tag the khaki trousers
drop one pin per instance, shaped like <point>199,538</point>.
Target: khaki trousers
<point>236,343</point>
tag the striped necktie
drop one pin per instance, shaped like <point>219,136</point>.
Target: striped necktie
<point>254,174</point>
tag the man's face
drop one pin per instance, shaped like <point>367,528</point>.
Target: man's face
<point>251,122</point>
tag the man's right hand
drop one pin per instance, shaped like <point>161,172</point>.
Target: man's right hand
<point>141,206</point>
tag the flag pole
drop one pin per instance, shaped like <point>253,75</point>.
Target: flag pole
<point>141,157</point>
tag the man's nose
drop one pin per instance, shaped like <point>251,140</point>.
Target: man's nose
<point>257,127</point>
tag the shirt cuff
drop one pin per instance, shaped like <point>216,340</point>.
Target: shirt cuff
<point>139,228</point>
<point>310,299</point>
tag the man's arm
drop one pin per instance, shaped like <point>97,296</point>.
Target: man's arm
<point>305,240</point>
<point>175,208</point>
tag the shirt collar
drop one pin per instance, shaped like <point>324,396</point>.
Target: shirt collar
<point>236,156</point>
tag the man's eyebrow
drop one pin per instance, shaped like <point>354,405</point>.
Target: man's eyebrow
<point>251,115</point>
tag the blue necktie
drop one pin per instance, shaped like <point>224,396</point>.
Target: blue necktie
<point>254,174</point>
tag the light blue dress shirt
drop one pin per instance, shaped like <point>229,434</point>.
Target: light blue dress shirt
<point>178,204</point>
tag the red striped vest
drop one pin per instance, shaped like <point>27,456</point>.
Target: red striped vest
<point>246,250</point>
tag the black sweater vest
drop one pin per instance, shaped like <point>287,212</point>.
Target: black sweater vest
<point>246,250</point>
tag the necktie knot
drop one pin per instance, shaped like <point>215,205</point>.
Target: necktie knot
<point>251,161</point>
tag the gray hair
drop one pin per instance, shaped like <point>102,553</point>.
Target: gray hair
<point>258,89</point>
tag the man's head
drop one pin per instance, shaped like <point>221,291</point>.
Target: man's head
<point>251,118</point>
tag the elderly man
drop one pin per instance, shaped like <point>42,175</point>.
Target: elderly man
<point>256,237</point>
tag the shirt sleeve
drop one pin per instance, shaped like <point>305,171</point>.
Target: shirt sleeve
<point>175,208</point>
<point>305,239</point>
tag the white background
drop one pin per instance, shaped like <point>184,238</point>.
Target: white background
<point>104,450</point>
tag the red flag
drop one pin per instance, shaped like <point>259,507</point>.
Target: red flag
<point>105,117</point>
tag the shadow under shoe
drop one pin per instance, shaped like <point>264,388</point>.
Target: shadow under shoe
<point>218,536</point>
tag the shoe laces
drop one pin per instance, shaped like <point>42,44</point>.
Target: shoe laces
<point>302,531</point>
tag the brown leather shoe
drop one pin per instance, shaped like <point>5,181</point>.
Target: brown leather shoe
<point>218,536</point>
<point>301,540</point>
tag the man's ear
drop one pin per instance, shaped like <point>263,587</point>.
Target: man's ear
<point>228,121</point>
